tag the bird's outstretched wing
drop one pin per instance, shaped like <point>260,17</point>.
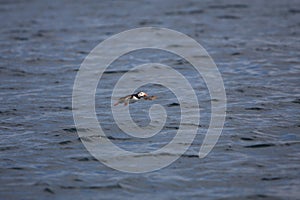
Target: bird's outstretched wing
<point>150,98</point>
<point>124,100</point>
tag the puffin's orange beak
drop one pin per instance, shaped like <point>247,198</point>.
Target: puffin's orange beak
<point>146,95</point>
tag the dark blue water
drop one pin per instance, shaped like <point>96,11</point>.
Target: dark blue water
<point>256,48</point>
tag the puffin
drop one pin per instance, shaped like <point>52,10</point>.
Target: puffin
<point>131,98</point>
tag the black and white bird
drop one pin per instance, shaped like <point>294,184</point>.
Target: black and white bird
<point>131,98</point>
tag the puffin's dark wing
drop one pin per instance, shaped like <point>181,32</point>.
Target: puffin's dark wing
<point>124,100</point>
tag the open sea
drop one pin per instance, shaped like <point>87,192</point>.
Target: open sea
<point>256,46</point>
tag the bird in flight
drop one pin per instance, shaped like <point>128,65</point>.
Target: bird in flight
<point>133,98</point>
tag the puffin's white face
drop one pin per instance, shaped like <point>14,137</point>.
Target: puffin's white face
<point>142,94</point>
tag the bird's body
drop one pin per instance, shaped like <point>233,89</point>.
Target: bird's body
<point>131,98</point>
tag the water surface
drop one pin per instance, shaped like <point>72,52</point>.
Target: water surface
<point>255,46</point>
